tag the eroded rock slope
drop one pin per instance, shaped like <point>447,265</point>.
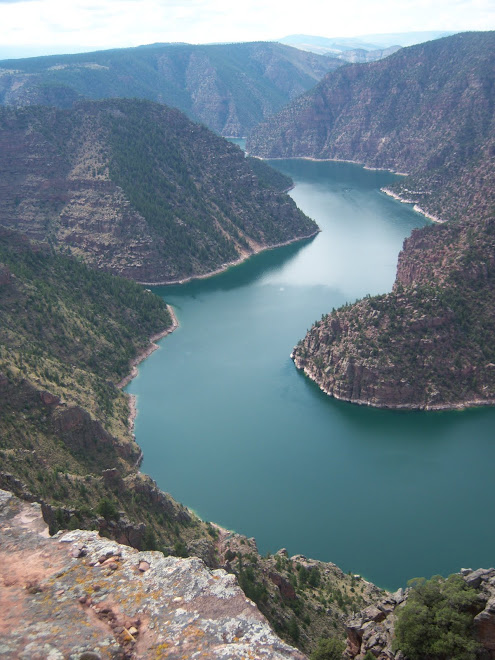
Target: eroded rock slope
<point>427,111</point>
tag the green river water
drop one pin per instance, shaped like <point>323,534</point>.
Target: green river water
<point>232,430</point>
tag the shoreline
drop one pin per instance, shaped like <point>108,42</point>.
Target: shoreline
<point>332,160</point>
<point>416,206</point>
<point>385,190</point>
<point>231,264</point>
<point>151,348</point>
<point>445,407</point>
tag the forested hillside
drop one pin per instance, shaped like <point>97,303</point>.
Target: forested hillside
<point>67,334</point>
<point>228,87</point>
<point>135,188</point>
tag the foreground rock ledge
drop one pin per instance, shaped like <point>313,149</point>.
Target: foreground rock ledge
<point>80,596</point>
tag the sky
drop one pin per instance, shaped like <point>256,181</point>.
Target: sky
<point>34,27</point>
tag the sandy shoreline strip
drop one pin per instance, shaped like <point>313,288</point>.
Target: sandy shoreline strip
<point>416,206</point>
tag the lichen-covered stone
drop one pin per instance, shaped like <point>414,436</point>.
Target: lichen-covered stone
<point>77,595</point>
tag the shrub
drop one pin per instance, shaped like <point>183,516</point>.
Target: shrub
<point>293,629</point>
<point>329,648</point>
<point>436,623</point>
<point>180,549</point>
<point>107,509</point>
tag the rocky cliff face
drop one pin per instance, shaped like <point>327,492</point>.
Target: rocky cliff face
<point>430,343</point>
<point>403,112</point>
<point>73,425</point>
<point>228,87</point>
<point>137,189</point>
<point>80,595</point>
<point>373,629</point>
<point>304,599</point>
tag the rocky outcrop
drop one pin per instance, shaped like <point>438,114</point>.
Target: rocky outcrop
<point>303,598</point>
<point>71,424</point>
<point>120,527</point>
<point>80,595</point>
<point>436,254</point>
<point>427,345</point>
<point>287,591</point>
<point>484,622</point>
<point>372,630</point>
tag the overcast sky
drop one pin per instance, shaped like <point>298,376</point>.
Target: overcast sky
<point>72,25</point>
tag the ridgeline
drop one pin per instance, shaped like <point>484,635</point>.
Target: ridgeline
<point>228,87</point>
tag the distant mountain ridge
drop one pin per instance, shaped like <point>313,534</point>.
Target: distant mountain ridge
<point>136,188</point>
<point>332,45</point>
<point>350,49</point>
<point>228,87</point>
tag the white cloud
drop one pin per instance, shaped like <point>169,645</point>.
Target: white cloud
<point>111,23</point>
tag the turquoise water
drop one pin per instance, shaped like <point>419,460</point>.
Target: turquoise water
<point>232,430</point>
